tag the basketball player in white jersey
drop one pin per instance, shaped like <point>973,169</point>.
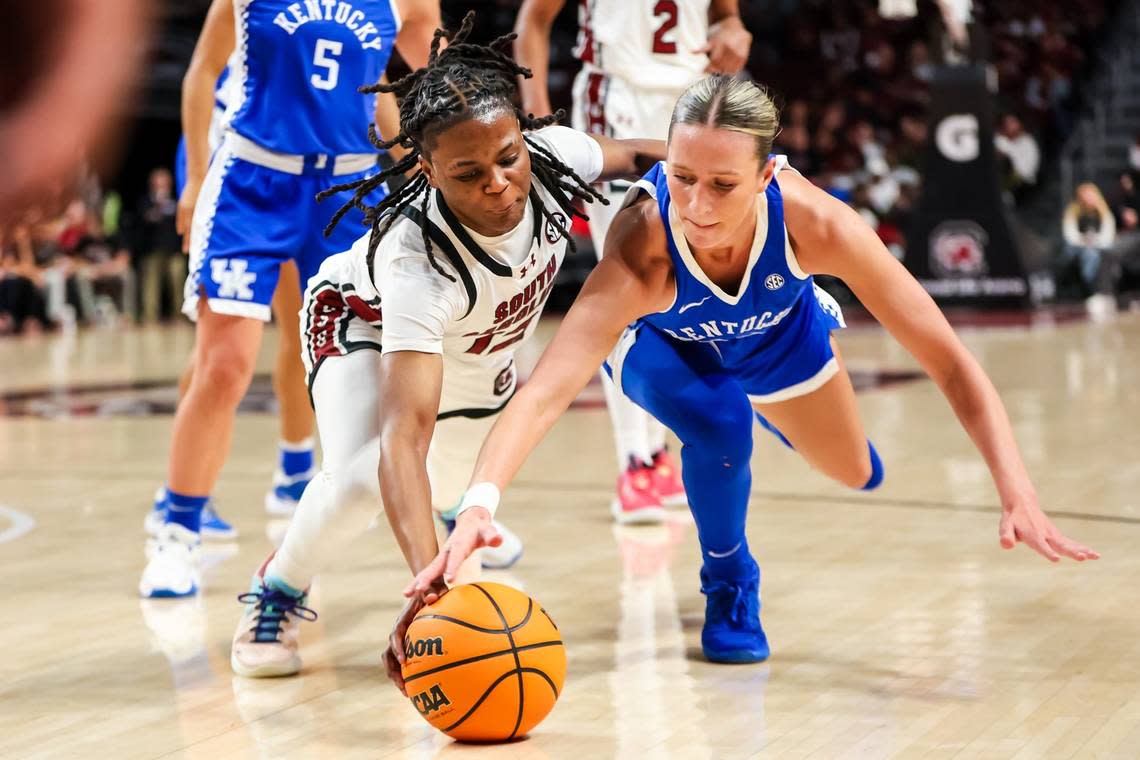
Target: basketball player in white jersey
<point>410,335</point>
<point>637,57</point>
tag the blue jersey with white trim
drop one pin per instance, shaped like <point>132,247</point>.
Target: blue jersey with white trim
<point>774,289</point>
<point>297,67</point>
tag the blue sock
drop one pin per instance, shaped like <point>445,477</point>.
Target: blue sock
<point>185,510</point>
<point>876,469</point>
<point>296,458</point>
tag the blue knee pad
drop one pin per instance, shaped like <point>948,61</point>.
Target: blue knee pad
<point>876,478</point>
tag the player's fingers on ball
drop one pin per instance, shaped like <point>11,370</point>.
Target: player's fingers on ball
<point>454,561</point>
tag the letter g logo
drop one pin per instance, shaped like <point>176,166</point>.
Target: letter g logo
<point>957,137</point>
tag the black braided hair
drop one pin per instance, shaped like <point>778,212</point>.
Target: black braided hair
<point>462,81</point>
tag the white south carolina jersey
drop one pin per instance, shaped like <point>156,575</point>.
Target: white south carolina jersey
<point>648,43</point>
<point>395,300</point>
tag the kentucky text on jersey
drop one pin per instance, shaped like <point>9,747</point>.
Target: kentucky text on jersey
<point>331,10</point>
<point>716,329</point>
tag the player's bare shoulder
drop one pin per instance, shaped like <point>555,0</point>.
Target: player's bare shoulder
<point>806,206</point>
<point>637,241</point>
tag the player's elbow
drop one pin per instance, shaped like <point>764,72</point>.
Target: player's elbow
<point>406,434</point>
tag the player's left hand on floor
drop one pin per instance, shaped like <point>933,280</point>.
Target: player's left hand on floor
<point>1030,526</point>
<point>473,530</point>
<point>394,654</point>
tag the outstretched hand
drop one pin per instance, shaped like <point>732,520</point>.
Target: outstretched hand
<point>394,655</point>
<point>1027,524</point>
<point>473,530</point>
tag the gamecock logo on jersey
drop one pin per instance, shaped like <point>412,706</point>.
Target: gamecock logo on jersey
<point>554,227</point>
<point>958,249</point>
<point>504,380</point>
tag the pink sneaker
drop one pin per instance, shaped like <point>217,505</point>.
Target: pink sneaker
<point>667,480</point>
<point>637,501</point>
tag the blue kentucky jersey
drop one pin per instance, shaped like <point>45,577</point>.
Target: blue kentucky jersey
<point>298,65</point>
<point>774,289</point>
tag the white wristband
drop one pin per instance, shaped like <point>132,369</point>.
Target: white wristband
<point>484,495</point>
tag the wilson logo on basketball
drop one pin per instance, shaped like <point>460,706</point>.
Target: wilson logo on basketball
<point>424,647</point>
<point>431,700</point>
<point>774,282</point>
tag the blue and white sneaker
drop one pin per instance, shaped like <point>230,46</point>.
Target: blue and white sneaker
<point>498,557</point>
<point>732,631</point>
<point>283,498</point>
<point>172,569</point>
<point>213,527</point>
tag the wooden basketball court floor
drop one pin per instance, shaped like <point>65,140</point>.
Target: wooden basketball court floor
<point>899,628</point>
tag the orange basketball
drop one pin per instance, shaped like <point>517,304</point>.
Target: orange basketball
<point>485,663</point>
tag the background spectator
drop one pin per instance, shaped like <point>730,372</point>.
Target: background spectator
<point>158,247</point>
<point>23,307</point>
<point>1020,153</point>
<point>1090,232</point>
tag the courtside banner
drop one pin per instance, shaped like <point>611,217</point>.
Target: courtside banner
<point>961,245</point>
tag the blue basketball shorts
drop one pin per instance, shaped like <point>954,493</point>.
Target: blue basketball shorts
<point>250,218</point>
<point>792,360</point>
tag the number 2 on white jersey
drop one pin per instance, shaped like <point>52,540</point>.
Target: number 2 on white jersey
<point>325,57</point>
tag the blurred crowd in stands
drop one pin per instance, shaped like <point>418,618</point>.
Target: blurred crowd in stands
<point>89,260</point>
<point>854,88</point>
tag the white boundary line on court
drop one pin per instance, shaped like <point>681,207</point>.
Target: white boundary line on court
<point>21,524</point>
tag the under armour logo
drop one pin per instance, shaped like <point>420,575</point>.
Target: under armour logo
<point>773,282</point>
<point>233,281</point>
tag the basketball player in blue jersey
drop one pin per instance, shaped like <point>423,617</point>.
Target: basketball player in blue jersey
<point>637,59</point>
<point>711,264</point>
<point>294,127</point>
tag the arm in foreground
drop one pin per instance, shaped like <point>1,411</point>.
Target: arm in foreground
<point>410,385</point>
<point>633,279</point>
<point>830,238</point>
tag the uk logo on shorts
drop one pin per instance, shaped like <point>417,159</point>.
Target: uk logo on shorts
<point>774,282</point>
<point>232,278</point>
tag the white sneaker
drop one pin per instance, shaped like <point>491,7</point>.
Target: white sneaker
<point>267,641</point>
<point>505,554</point>
<point>173,566</point>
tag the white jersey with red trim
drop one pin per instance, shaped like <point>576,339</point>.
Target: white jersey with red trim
<point>395,300</point>
<point>648,43</point>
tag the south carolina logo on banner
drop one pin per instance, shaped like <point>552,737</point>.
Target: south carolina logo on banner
<point>958,249</point>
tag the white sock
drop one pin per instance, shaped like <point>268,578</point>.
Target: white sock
<point>656,435</point>
<point>630,424</point>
